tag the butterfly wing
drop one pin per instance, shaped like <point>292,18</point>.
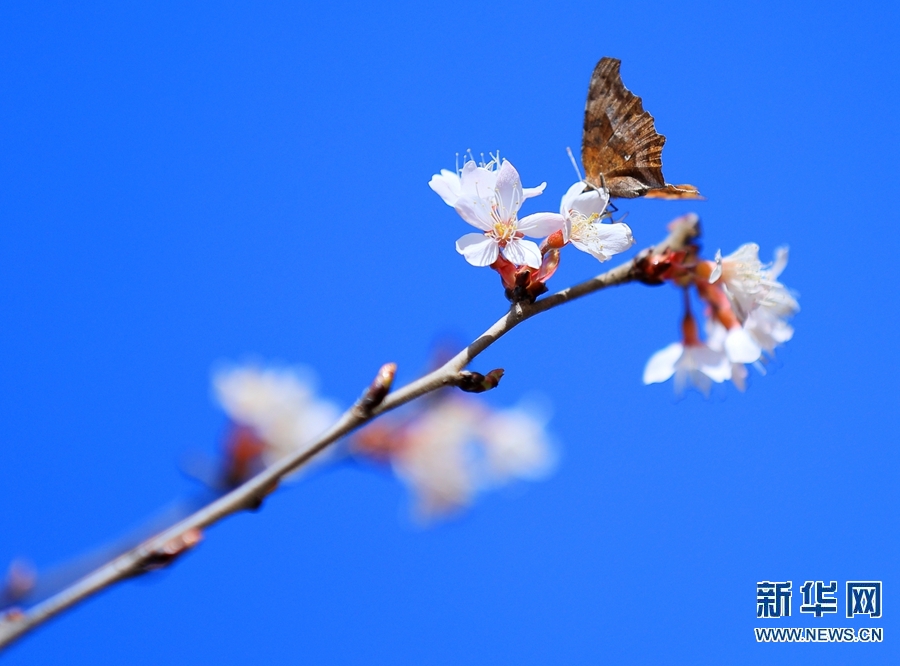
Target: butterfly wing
<point>620,147</point>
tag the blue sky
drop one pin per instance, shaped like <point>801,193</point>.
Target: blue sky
<point>180,186</point>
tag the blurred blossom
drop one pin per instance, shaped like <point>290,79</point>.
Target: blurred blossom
<point>761,303</point>
<point>691,361</point>
<point>740,276</point>
<point>276,411</point>
<point>748,310</point>
<point>516,444</point>
<point>20,582</point>
<point>768,329</point>
<point>692,365</point>
<point>767,324</point>
<point>453,447</point>
<point>750,284</point>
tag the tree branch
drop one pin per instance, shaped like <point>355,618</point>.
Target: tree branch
<point>169,544</point>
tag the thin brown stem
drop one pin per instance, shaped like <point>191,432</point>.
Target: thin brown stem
<point>163,548</point>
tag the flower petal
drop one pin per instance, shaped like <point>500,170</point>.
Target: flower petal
<point>715,335</point>
<point>523,253</point>
<point>591,202</point>
<point>509,190</point>
<point>713,364</point>
<point>602,241</point>
<point>661,365</point>
<point>477,182</point>
<point>746,256</point>
<point>529,192</point>
<point>740,347</point>
<point>690,376</point>
<point>767,329</point>
<point>739,376</point>
<point>780,263</point>
<point>717,271</point>
<point>569,197</point>
<point>447,186</point>
<point>539,225</point>
<point>475,213</point>
<point>478,249</point>
<point>516,444</point>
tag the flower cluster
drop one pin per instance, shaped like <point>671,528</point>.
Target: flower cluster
<point>748,307</point>
<point>748,311</point>
<point>489,196</point>
<point>447,449</point>
<point>453,447</point>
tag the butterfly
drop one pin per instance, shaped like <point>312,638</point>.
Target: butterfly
<point>620,148</point>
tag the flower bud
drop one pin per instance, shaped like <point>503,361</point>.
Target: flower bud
<point>379,387</point>
<point>475,382</point>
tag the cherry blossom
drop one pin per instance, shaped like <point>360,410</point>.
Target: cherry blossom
<point>759,299</point>
<point>489,199</point>
<point>740,276</point>
<point>692,362</point>
<point>516,444</point>
<point>455,448</point>
<point>749,283</point>
<point>584,212</point>
<point>278,405</point>
<point>731,335</point>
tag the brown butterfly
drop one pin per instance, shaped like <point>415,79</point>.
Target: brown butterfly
<point>620,148</point>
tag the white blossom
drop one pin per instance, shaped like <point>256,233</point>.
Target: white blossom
<point>435,459</point>
<point>584,212</point>
<point>489,199</point>
<point>696,364</point>
<point>457,448</point>
<point>778,299</point>
<point>516,444</point>
<point>748,282</point>
<point>278,404</point>
<point>761,302</point>
<point>740,277</point>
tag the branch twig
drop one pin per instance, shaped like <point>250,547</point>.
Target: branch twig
<point>169,544</point>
